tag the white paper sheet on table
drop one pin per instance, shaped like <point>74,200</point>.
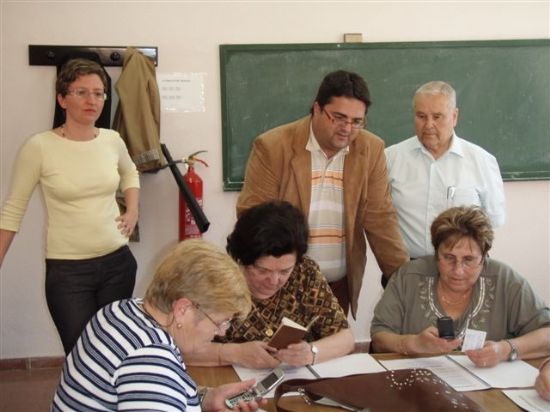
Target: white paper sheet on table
<point>459,372</point>
<point>528,399</point>
<point>457,377</point>
<point>517,374</point>
<point>348,365</point>
<point>343,366</point>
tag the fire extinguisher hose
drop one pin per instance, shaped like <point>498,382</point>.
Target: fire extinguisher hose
<point>200,218</point>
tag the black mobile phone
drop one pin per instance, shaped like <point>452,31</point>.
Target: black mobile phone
<point>261,388</point>
<point>446,327</point>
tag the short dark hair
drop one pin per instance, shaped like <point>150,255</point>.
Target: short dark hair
<point>343,83</point>
<point>464,221</point>
<point>272,228</point>
<point>74,69</point>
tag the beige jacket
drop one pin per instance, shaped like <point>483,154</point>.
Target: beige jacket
<point>279,167</point>
<point>137,117</point>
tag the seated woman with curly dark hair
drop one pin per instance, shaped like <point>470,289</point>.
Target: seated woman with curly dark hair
<point>269,242</point>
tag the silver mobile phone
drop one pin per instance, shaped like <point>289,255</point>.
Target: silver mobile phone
<point>262,387</point>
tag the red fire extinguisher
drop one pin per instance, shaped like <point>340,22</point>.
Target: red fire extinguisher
<point>188,227</point>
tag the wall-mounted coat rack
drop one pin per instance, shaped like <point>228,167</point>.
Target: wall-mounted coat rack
<point>40,55</point>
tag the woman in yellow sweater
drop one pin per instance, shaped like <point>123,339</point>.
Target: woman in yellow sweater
<point>79,168</point>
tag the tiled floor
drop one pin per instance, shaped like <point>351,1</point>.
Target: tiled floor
<point>28,390</point>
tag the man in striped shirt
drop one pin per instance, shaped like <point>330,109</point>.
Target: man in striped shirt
<point>334,171</point>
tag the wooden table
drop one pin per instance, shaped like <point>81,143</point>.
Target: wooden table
<point>490,399</point>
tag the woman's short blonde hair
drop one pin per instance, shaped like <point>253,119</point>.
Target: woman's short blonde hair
<point>459,222</point>
<point>202,273</point>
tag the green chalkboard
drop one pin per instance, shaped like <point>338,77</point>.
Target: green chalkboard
<point>503,94</point>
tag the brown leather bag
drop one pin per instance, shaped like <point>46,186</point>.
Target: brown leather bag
<point>406,390</point>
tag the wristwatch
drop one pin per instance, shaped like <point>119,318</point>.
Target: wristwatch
<point>314,351</point>
<point>514,351</point>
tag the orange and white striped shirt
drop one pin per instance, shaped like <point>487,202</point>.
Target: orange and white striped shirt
<point>326,212</point>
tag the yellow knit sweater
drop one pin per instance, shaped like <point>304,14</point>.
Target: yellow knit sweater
<point>79,181</point>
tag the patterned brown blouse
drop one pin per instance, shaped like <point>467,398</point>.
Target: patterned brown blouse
<point>305,295</point>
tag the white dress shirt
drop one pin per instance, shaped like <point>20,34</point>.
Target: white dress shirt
<point>422,187</point>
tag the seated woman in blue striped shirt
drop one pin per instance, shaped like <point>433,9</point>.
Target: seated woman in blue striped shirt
<point>131,354</point>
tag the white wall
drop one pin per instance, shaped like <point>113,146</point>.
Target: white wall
<point>188,36</point>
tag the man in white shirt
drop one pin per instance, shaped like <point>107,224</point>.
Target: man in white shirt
<point>436,169</point>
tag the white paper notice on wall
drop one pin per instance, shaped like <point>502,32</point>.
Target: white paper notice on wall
<point>181,92</point>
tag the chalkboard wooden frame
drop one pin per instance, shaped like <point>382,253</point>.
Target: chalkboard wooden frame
<point>503,94</point>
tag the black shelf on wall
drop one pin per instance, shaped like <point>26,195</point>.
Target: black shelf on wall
<point>43,55</point>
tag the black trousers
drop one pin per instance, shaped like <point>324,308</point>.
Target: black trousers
<point>77,289</point>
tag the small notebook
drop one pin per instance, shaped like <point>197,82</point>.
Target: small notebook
<point>289,332</point>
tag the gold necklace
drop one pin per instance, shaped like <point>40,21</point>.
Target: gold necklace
<point>62,129</point>
<point>268,331</point>
<point>448,301</point>
<point>452,302</point>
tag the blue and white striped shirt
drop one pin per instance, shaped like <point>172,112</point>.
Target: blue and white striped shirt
<point>124,360</point>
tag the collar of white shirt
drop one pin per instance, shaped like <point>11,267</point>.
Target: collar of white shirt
<point>457,146</point>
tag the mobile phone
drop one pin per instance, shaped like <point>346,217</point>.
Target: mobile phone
<point>262,387</point>
<point>446,327</point>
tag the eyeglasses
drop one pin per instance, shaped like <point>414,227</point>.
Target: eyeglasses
<point>468,262</point>
<point>341,120</point>
<point>221,327</point>
<point>84,94</point>
<point>265,272</point>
